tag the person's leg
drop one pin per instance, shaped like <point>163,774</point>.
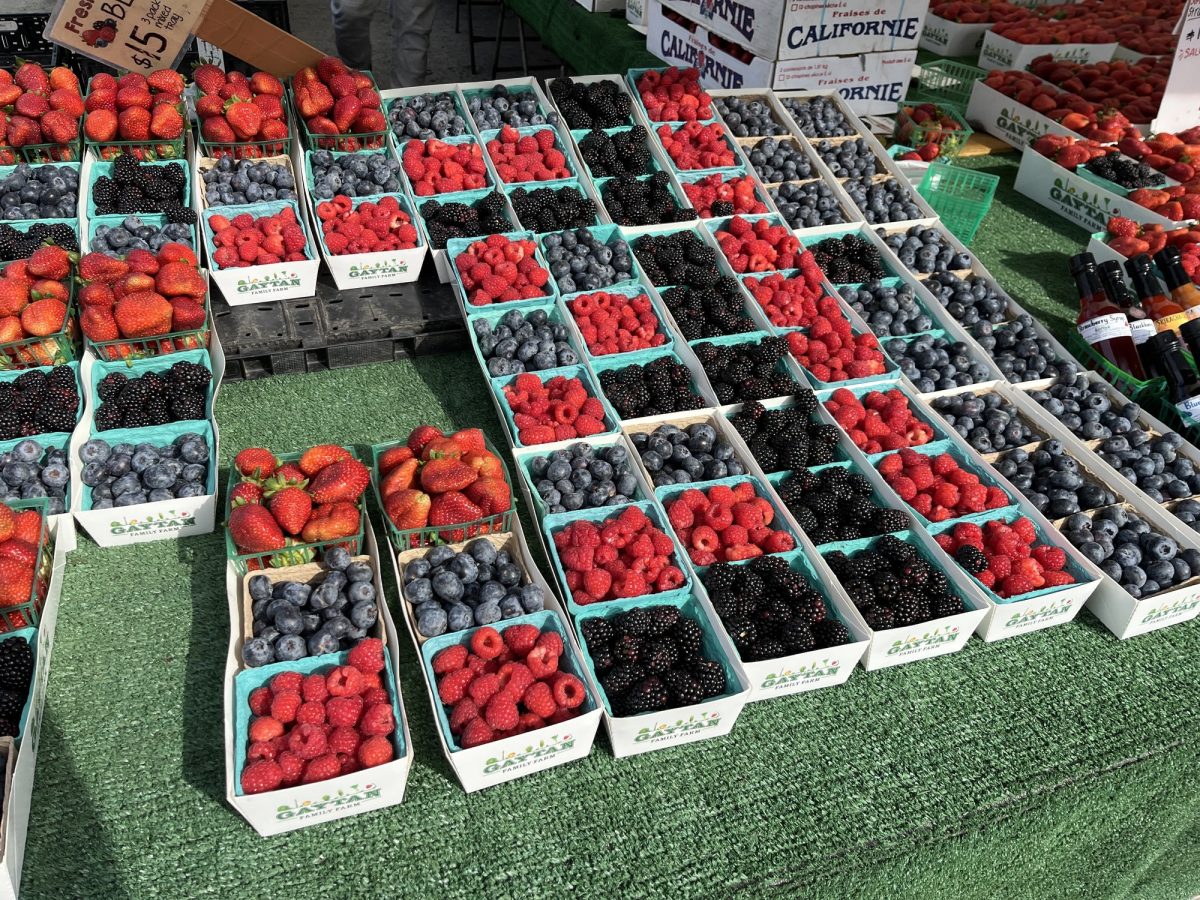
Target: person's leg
<point>412,23</point>
<point>352,30</point>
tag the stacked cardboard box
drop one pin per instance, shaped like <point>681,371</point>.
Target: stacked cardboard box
<point>864,51</point>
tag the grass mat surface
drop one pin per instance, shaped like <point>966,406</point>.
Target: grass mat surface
<point>1060,764</point>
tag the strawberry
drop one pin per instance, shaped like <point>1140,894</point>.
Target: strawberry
<point>98,324</point>
<point>102,268</point>
<point>16,582</point>
<point>420,436</point>
<point>133,123</point>
<point>265,83</point>
<point>177,279</point>
<point>254,529</point>
<point>452,508</point>
<point>255,462</point>
<point>49,262</point>
<point>166,81</point>
<point>314,459</point>
<point>491,495</point>
<point>8,522</point>
<point>216,130</point>
<point>63,79</point>
<point>345,480</point>
<point>400,478</point>
<point>166,123</point>
<point>445,474</point>
<point>408,509</point>
<point>44,317</point>
<point>60,127</point>
<point>13,297</point>
<point>330,521</point>
<point>143,314</point>
<point>247,492</point>
<point>209,78</point>
<point>291,508</point>
<point>32,77</point>
<point>244,118</point>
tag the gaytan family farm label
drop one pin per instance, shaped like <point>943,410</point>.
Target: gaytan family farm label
<point>543,752</point>
<point>351,796</point>
<point>138,35</point>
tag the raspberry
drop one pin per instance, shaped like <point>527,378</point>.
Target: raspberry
<point>343,712</point>
<point>455,657</point>
<point>946,494</point>
<point>477,732</point>
<point>260,701</point>
<point>501,713</point>
<point>485,686</point>
<point>569,691</point>
<point>904,487</point>
<point>307,741</point>
<point>367,656</point>
<point>1050,557</point>
<point>463,712</point>
<point>344,681</point>
<point>287,681</point>
<point>453,686</point>
<point>487,643</point>
<point>520,639</point>
<point>285,705</point>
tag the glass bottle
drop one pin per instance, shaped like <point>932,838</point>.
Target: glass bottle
<point>1112,279</point>
<point>1179,283</point>
<point>1166,313</point>
<point>1183,385</point>
<point>1101,322</point>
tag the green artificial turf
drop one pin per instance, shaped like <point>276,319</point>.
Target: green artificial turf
<point>1059,764</point>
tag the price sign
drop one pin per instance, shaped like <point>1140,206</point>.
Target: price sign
<point>1180,107</point>
<point>138,35</point>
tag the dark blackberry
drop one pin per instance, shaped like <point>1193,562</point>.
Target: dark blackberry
<point>552,209</point>
<point>635,391</point>
<point>125,169</point>
<point>773,613</point>
<point>8,727</point>
<point>830,633</point>
<point>187,404</point>
<point>602,660</point>
<point>599,104</point>
<point>971,558</point>
<point>684,688</point>
<point>11,704</point>
<point>743,632</point>
<point>890,520</point>
<point>688,637</point>
<point>850,259</point>
<point>627,648</point>
<point>108,417</point>
<point>813,608</point>
<point>710,676</point>
<point>878,618</point>
<point>797,636</point>
<point>910,610</point>
<point>597,632</point>
<point>662,619</point>
<point>950,605</point>
<point>634,201</point>
<point>619,679</point>
<point>658,655</point>
<point>635,622</point>
<point>16,244</point>
<point>767,648</point>
<point>52,418</point>
<point>648,695</point>
<point>16,665</point>
<point>62,377</point>
<point>178,214</point>
<point>191,374</point>
<point>887,591</point>
<point>896,550</point>
<point>721,577</point>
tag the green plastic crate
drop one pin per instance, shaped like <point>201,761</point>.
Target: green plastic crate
<point>947,81</point>
<point>949,141</point>
<point>1133,388</point>
<point>961,197</point>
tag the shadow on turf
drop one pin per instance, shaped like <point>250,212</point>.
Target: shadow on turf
<point>76,836</point>
<point>203,690</point>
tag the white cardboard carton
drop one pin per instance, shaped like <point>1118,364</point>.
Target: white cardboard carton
<point>948,38</point>
<point>998,52</point>
<point>289,809</point>
<point>800,29</point>
<point>524,754</point>
<point>1074,197</point>
<point>636,14</point>
<point>601,6</point>
<point>18,799</point>
<point>162,519</point>
<point>1005,118</point>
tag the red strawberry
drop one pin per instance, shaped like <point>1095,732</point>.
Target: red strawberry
<point>256,462</point>
<point>254,529</point>
<point>291,508</point>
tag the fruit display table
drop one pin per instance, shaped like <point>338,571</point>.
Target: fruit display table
<point>1063,759</point>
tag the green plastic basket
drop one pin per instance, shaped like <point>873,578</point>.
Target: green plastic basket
<point>961,197</point>
<point>1131,387</point>
<point>947,81</point>
<point>949,141</point>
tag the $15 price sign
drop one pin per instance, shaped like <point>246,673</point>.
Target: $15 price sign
<point>138,35</point>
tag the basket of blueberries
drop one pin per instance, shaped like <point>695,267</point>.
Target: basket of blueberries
<point>689,450</point>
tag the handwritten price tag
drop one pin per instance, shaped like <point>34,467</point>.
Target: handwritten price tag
<point>1180,107</point>
<point>138,35</point>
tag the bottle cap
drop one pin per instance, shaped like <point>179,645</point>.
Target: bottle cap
<point>1190,330</point>
<point>1082,262</point>
<point>1166,341</point>
<point>1167,256</point>
<point>1140,263</point>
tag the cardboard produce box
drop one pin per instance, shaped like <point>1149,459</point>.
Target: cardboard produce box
<point>289,809</point>
<point>949,38</point>
<point>1005,118</point>
<point>800,29</point>
<point>523,754</point>
<point>161,519</point>
<point>871,83</point>
<point>18,792</point>
<point>999,52</point>
<point>1084,201</point>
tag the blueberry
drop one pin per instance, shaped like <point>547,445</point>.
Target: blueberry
<point>509,575</point>
<point>290,647</point>
<point>447,586</point>
<point>432,622</point>
<point>259,587</point>
<point>336,558</point>
<point>482,551</point>
<point>420,590</point>
<point>439,555</point>
<point>321,642</point>
<point>463,566</point>
<point>257,652</point>
<point>95,450</point>
<point>532,598</point>
<point>356,572</point>
<point>487,613</point>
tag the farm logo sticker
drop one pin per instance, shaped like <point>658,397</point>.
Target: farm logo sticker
<point>351,795</point>
<point>1172,611</point>
<point>268,284</point>
<point>1042,615</point>
<point>164,521</point>
<point>380,269</point>
<point>930,639</point>
<point>816,672</point>
<point>543,751</point>
<point>666,731</point>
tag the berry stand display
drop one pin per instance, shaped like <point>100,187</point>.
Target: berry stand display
<point>506,758</point>
<point>290,808</point>
<point>22,751</point>
<point>157,519</point>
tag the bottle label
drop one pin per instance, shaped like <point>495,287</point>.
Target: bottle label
<point>1171,322</point>
<point>1189,409</point>
<point>1194,312</point>
<point>1105,328</point>
<point>1143,330</point>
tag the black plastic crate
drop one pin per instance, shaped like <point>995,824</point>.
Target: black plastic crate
<point>21,38</point>
<point>339,329</point>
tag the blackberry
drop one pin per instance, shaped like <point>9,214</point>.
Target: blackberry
<point>743,633</point>
<point>830,633</point>
<point>658,656</point>
<point>8,727</point>
<point>850,259</point>
<point>878,618</point>
<point>941,607</point>
<point>552,209</point>
<point>186,404</point>
<point>662,619</point>
<point>603,660</point>
<point>710,676</point>
<point>136,187</point>
<point>11,704</point>
<point>797,636</point>
<point>727,367</point>
<point>626,153</point>
<point>597,632</point>
<point>721,577</point>
<point>627,648</point>
<point>688,637</point>
<point>599,104</point>
<point>768,648</point>
<point>641,201</point>
<point>887,591</point>
<point>773,613</point>
<point>16,244</point>
<point>635,622</point>
<point>652,389</point>
<point>619,679</point>
<point>107,417</point>
<point>16,665</point>
<point>56,418</point>
<point>445,221</point>
<point>971,558</point>
<point>910,610</point>
<point>648,695</point>
<point>178,214</point>
<point>62,377</point>
<point>685,690</point>
<point>813,609</point>
<point>889,520</point>
<point>896,550</point>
